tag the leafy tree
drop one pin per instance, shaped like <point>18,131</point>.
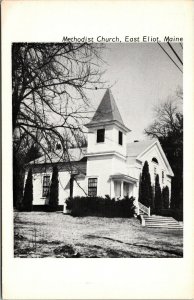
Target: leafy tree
<point>165,197</point>
<point>28,193</point>
<point>145,188</point>
<point>140,193</point>
<point>158,194</point>
<point>54,190</point>
<point>168,128</point>
<point>22,154</point>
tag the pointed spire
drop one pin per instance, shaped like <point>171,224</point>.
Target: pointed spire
<point>107,110</point>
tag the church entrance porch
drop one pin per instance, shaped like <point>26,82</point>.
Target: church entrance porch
<point>122,185</point>
<point>122,189</point>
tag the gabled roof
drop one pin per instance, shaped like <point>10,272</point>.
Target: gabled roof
<point>136,148</point>
<point>106,111</point>
<point>74,154</point>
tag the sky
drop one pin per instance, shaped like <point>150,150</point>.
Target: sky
<point>140,76</point>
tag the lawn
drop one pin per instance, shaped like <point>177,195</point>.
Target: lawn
<point>53,234</point>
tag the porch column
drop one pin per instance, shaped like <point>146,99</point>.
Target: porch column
<point>112,192</point>
<point>122,189</point>
<point>135,191</point>
<point>135,195</point>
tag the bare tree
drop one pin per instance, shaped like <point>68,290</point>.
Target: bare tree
<point>168,128</point>
<point>49,100</point>
<point>168,120</point>
<point>49,84</point>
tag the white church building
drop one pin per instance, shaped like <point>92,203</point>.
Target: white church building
<point>108,166</point>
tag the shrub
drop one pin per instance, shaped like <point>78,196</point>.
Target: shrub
<point>54,191</point>
<point>99,206</point>
<point>165,197</point>
<point>145,188</point>
<point>125,207</point>
<point>175,213</point>
<point>158,194</point>
<point>178,214</point>
<point>28,193</point>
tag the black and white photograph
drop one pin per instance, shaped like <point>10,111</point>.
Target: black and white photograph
<point>97,150</point>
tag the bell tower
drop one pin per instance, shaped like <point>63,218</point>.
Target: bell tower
<point>106,130</point>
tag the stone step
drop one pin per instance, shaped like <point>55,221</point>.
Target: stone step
<point>159,218</point>
<point>161,221</point>
<point>156,221</point>
<point>165,227</point>
<point>162,224</point>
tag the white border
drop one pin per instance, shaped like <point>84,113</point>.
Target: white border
<point>44,21</point>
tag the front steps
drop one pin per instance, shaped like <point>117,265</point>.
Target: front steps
<point>155,221</point>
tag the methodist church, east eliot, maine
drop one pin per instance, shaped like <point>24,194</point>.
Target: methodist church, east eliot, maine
<point>109,165</point>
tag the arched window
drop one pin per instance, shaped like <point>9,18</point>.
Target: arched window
<point>155,172</point>
<point>162,176</point>
<point>155,160</point>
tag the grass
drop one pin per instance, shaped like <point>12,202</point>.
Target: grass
<point>53,234</point>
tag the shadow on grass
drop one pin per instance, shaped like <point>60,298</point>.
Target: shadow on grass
<point>19,222</point>
<point>169,251</point>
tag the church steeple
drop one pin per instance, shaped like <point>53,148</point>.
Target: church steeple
<point>106,130</point>
<point>107,112</point>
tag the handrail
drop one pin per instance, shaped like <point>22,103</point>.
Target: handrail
<point>144,208</point>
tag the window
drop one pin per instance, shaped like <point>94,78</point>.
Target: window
<point>155,172</point>
<point>100,135</point>
<point>162,176</point>
<point>92,187</point>
<point>155,160</point>
<point>120,138</point>
<point>45,185</point>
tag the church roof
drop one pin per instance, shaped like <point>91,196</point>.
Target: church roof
<point>74,154</point>
<point>107,110</point>
<point>136,148</point>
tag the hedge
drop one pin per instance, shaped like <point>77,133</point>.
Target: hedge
<point>170,212</point>
<point>99,206</point>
